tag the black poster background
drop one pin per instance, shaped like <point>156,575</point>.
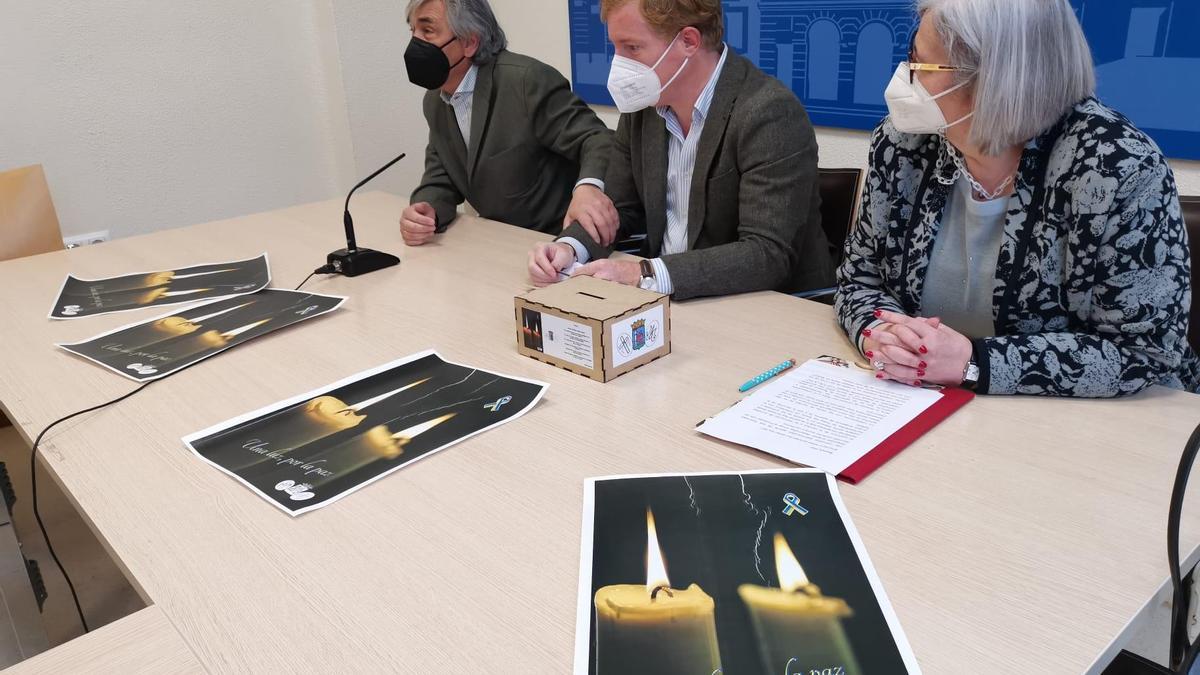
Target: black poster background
<point>716,550</point>
<point>452,388</point>
<point>142,353</point>
<point>90,297</point>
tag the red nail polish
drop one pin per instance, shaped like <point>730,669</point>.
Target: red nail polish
<point>917,383</point>
<point>870,354</point>
<point>879,376</point>
<point>922,365</point>
<point>924,350</point>
<point>866,332</point>
<point>920,373</point>
<point>878,313</point>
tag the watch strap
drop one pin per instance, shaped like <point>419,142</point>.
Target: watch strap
<point>647,269</point>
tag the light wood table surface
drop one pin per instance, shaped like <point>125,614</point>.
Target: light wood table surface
<point>1021,535</point>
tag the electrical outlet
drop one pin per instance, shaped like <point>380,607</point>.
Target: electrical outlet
<point>86,239</point>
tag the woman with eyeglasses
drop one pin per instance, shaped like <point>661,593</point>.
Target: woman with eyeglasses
<point>1016,236</point>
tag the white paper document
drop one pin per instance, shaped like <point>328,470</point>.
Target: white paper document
<point>821,415</point>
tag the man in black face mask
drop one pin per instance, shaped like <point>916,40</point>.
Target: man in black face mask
<point>505,131</point>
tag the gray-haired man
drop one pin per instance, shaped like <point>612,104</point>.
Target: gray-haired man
<point>505,131</point>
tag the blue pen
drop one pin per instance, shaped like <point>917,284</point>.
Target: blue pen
<point>767,375</point>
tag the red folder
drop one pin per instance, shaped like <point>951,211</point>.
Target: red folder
<point>952,400</point>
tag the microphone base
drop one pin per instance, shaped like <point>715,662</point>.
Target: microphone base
<point>360,261</point>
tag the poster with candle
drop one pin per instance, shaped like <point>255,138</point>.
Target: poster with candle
<point>753,573</point>
<point>153,349</point>
<point>313,449</point>
<point>90,297</point>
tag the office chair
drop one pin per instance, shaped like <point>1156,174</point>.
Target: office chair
<point>839,189</point>
<point>1191,220</point>
<point>27,214</point>
<point>27,218</point>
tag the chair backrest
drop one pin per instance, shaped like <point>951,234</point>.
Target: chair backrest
<point>1191,219</point>
<point>27,216</point>
<point>839,206</point>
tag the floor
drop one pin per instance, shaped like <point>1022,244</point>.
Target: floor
<point>104,593</point>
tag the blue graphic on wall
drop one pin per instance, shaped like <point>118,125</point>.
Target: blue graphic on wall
<point>1147,56</point>
<point>838,55</point>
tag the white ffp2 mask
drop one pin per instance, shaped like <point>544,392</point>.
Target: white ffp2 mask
<point>913,110</point>
<point>635,86</point>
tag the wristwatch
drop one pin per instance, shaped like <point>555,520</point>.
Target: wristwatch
<point>647,281</point>
<point>970,378</point>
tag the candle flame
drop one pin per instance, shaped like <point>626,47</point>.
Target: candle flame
<point>238,331</point>
<point>201,274</point>
<point>206,317</point>
<point>171,294</point>
<point>412,432</point>
<point>372,401</point>
<point>656,567</point>
<point>791,574</point>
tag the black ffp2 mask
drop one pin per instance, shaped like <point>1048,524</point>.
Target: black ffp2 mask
<point>427,64</point>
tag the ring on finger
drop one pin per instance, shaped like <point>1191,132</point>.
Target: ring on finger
<point>878,363</point>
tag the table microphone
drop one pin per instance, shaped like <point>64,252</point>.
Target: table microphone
<point>352,260</point>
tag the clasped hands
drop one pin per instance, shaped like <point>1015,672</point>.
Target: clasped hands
<point>596,214</point>
<point>916,350</point>
<point>548,259</point>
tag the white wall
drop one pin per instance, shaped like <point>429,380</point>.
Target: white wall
<point>384,109</point>
<point>151,114</point>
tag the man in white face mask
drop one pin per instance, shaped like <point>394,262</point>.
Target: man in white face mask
<point>714,160</point>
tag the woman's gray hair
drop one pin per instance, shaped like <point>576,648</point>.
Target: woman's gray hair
<point>471,17</point>
<point>1027,60</point>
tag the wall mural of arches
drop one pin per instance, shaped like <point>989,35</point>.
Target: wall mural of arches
<point>873,63</point>
<point>824,60</point>
<point>1147,57</point>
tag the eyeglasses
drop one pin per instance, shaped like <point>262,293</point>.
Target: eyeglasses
<point>914,65</point>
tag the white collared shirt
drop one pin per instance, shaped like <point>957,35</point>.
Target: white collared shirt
<point>681,162</point>
<point>461,101</point>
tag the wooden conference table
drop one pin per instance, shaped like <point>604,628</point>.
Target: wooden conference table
<point>1021,535</point>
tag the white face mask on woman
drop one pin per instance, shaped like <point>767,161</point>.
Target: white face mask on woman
<point>635,86</point>
<point>914,110</point>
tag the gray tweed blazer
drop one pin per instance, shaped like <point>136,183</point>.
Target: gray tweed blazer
<point>754,220</point>
<point>532,139</point>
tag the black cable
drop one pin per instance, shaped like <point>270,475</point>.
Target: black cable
<point>33,494</point>
<point>323,269</point>
<point>1181,654</point>
<point>37,515</point>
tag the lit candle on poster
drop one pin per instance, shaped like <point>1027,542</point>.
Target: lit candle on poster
<point>163,292</point>
<point>116,300</point>
<point>655,629</point>
<point>282,433</point>
<point>378,443</point>
<point>364,407</point>
<point>798,629</point>
<point>360,407</point>
<point>147,334</point>
<point>147,281</point>
<point>194,344</point>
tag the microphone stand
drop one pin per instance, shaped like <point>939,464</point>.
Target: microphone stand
<point>353,261</point>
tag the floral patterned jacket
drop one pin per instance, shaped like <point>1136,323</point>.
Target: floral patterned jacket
<point>1093,281</point>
